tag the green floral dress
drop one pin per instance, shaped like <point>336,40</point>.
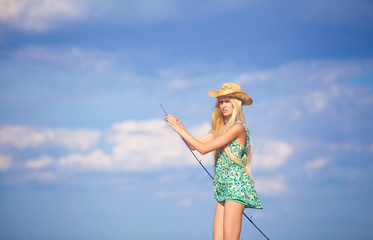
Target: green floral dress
<point>231,182</point>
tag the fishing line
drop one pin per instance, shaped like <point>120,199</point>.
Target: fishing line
<point>200,162</point>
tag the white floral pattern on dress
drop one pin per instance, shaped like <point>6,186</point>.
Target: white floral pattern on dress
<point>231,182</point>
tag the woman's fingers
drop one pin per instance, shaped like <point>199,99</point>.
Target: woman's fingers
<point>172,121</point>
<point>171,118</point>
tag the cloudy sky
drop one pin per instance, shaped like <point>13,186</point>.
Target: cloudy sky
<point>85,154</point>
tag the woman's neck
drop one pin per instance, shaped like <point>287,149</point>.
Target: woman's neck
<point>227,119</point>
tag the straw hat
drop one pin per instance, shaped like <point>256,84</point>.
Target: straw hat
<point>232,90</point>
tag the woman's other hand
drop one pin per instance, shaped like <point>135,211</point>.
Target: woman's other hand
<point>174,122</point>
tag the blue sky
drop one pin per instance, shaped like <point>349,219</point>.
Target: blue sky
<point>84,153</point>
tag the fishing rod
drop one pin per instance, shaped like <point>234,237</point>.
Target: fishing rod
<point>200,162</point>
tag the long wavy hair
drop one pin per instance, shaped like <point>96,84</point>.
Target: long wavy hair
<point>219,126</point>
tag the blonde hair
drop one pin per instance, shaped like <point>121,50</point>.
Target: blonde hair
<point>219,126</point>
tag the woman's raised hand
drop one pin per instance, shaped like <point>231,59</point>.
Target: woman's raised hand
<point>174,122</point>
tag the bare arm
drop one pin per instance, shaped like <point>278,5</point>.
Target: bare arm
<point>207,138</point>
<point>206,144</point>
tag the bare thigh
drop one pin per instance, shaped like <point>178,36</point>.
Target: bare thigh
<point>232,220</point>
<point>218,221</point>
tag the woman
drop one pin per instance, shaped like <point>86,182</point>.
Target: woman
<point>229,137</point>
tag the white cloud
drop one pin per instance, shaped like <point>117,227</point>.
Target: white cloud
<point>307,75</point>
<point>5,162</point>
<point>96,160</point>
<point>185,202</point>
<point>89,61</point>
<point>135,146</point>
<point>39,15</point>
<point>314,165</point>
<point>35,52</point>
<point>22,137</point>
<point>39,163</point>
<point>145,145</point>
<point>45,177</point>
<point>201,130</point>
<point>298,91</point>
<point>248,78</point>
<point>185,197</point>
<point>272,155</point>
<point>179,84</point>
<point>274,186</point>
<point>42,15</point>
<point>81,138</point>
<point>182,79</point>
<point>317,101</point>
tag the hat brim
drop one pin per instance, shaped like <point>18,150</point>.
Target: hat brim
<point>214,93</point>
<point>244,97</point>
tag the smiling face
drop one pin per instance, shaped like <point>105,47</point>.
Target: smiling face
<point>226,106</point>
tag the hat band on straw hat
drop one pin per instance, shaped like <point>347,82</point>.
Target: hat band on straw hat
<point>232,90</point>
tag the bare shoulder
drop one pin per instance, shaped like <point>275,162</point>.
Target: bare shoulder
<point>237,128</point>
